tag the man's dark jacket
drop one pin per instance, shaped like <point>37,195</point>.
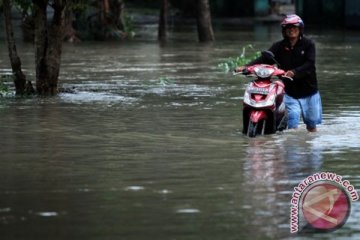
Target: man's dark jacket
<point>301,60</point>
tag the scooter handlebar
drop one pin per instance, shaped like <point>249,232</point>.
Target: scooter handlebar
<point>244,71</point>
<point>286,77</point>
<point>249,71</point>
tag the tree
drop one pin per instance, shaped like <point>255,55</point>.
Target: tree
<point>112,19</point>
<point>19,76</point>
<point>48,45</point>
<point>203,19</point>
<point>163,20</point>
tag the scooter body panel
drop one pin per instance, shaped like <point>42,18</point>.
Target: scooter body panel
<point>264,102</point>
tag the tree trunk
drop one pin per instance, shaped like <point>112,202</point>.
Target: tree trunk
<point>163,20</point>
<point>48,44</point>
<point>112,19</point>
<point>106,10</point>
<point>40,22</point>
<point>55,41</point>
<point>119,14</point>
<point>204,26</point>
<point>70,34</point>
<point>19,77</point>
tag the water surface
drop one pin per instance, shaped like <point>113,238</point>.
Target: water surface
<point>149,144</point>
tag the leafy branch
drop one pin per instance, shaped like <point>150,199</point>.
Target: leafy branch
<point>248,54</point>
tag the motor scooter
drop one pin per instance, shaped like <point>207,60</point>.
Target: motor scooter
<point>264,109</point>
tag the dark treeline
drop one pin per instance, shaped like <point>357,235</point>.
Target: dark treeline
<point>219,8</point>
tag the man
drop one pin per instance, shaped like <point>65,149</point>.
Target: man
<point>296,55</point>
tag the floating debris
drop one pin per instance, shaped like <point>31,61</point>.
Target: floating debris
<point>134,188</point>
<point>188,210</point>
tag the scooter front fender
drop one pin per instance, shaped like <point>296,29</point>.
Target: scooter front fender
<point>257,115</point>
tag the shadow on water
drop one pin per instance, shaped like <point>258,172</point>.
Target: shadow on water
<point>147,144</point>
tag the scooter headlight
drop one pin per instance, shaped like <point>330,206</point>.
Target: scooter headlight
<point>263,72</point>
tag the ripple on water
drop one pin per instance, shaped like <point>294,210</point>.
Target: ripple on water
<point>131,91</point>
<point>47,214</point>
<point>339,133</point>
<point>103,97</point>
<point>188,210</point>
<point>134,188</point>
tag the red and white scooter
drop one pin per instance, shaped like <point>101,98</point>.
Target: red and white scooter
<point>264,108</point>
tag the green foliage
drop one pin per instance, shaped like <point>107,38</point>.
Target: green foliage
<point>129,26</point>
<point>87,19</point>
<point>165,81</point>
<point>4,89</point>
<point>79,6</point>
<point>24,6</point>
<point>248,54</point>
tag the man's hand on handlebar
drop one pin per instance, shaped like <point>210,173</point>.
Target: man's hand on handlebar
<point>239,69</point>
<point>289,74</point>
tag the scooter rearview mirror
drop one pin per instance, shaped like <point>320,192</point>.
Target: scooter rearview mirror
<point>270,55</point>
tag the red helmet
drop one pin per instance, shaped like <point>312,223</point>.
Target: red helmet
<point>292,20</point>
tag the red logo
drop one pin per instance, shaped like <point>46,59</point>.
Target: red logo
<point>325,206</point>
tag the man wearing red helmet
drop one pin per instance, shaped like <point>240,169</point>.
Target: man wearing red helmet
<point>296,55</point>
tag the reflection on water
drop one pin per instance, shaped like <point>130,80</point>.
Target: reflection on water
<point>124,155</point>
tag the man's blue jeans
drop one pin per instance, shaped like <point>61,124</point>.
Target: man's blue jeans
<point>309,108</point>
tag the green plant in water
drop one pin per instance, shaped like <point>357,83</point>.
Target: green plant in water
<point>165,81</point>
<point>245,57</point>
<point>4,89</point>
<point>129,27</point>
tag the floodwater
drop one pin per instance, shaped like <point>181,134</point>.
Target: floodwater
<point>149,145</point>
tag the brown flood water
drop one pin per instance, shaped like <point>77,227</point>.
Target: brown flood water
<point>130,155</point>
